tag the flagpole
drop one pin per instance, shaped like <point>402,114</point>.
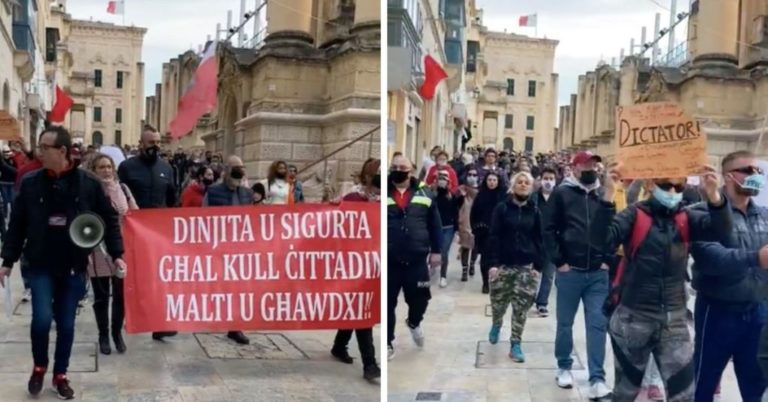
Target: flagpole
<point>123,1</point>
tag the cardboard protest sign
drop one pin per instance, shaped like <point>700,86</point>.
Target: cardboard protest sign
<point>659,140</point>
<point>305,266</point>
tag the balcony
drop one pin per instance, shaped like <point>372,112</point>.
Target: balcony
<point>24,54</point>
<point>403,39</point>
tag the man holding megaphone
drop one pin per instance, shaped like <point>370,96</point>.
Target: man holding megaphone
<point>47,207</point>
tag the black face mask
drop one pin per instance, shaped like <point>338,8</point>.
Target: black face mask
<point>397,177</point>
<point>151,153</point>
<point>280,175</point>
<point>520,198</point>
<point>376,181</point>
<point>237,173</point>
<point>588,177</point>
<point>207,182</point>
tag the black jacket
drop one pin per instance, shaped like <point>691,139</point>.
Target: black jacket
<point>150,183</point>
<point>28,230</point>
<point>576,225</point>
<point>482,209</point>
<point>448,207</point>
<point>516,237</point>
<point>654,280</point>
<point>416,230</point>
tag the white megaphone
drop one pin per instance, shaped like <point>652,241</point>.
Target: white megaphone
<point>87,230</point>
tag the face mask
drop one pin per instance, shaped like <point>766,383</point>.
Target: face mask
<point>667,199</point>
<point>588,177</point>
<point>548,185</point>
<point>472,181</point>
<point>441,163</point>
<point>237,173</point>
<point>442,183</point>
<point>280,175</point>
<point>397,177</point>
<point>151,152</point>
<point>376,181</point>
<point>207,182</point>
<point>752,185</point>
<point>520,198</point>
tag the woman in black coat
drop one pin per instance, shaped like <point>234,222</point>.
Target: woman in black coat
<point>491,194</point>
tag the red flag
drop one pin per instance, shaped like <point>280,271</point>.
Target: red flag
<point>527,20</point>
<point>116,7</point>
<point>433,74</point>
<point>61,105</point>
<point>200,96</point>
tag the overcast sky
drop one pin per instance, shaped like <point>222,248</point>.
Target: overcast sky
<point>172,26</point>
<point>588,30</point>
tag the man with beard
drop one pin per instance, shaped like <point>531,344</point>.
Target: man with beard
<point>150,180</point>
<point>574,230</point>
<point>231,192</point>
<point>730,284</point>
<point>414,232</point>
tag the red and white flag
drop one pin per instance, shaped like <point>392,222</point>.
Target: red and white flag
<point>528,20</point>
<point>200,96</point>
<point>116,7</point>
<point>61,105</point>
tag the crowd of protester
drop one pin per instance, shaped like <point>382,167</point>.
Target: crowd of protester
<point>45,189</point>
<point>632,252</point>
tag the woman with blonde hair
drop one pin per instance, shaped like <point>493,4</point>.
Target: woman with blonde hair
<point>516,255</point>
<point>101,269</point>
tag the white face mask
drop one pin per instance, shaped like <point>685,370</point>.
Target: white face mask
<point>548,185</point>
<point>442,183</point>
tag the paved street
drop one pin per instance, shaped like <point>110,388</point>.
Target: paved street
<point>289,366</point>
<point>458,364</point>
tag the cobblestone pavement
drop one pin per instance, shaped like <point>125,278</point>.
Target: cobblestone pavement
<point>289,366</point>
<point>458,364</point>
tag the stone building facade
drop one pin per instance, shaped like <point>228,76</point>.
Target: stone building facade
<point>310,90</point>
<point>723,84</point>
<point>106,79</point>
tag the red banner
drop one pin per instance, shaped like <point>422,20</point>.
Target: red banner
<point>307,266</point>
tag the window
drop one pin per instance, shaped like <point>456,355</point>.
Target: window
<point>531,89</point>
<point>119,80</point>
<point>97,78</point>
<point>510,87</point>
<point>118,115</point>
<point>529,120</point>
<point>51,39</point>
<point>97,113</point>
<point>473,47</point>
<point>509,144</point>
<point>508,121</point>
<point>529,144</point>
<point>98,138</point>
<point>118,138</point>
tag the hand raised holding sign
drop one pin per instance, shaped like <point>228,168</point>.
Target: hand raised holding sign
<point>609,183</point>
<point>710,183</point>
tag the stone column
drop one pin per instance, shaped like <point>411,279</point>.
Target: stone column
<point>717,31</point>
<point>289,25</point>
<point>367,16</point>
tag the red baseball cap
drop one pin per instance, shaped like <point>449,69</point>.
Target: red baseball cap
<point>584,157</point>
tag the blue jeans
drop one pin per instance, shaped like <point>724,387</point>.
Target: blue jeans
<point>547,277</point>
<point>722,334</point>
<point>591,288</point>
<point>448,233</point>
<point>54,297</point>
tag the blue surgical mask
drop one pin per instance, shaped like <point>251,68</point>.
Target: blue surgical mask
<point>752,184</point>
<point>667,199</point>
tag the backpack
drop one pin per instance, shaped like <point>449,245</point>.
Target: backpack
<point>640,229</point>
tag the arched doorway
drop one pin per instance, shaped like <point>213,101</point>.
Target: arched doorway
<point>509,144</point>
<point>98,138</point>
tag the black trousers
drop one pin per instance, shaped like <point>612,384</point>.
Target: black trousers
<point>412,276</point>
<point>101,290</point>
<point>364,342</point>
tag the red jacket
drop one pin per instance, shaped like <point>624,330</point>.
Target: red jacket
<point>432,177</point>
<point>20,159</point>
<point>29,167</point>
<point>193,195</point>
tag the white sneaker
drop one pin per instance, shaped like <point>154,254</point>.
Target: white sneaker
<point>443,282</point>
<point>599,390</point>
<point>564,379</point>
<point>390,352</point>
<point>27,296</point>
<point>418,336</point>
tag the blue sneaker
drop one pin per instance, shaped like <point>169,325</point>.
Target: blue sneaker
<point>493,335</point>
<point>516,352</point>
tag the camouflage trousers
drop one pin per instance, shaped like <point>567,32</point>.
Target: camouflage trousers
<point>635,337</point>
<point>516,286</point>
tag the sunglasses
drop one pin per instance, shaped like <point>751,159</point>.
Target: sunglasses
<point>666,186</point>
<point>748,170</point>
